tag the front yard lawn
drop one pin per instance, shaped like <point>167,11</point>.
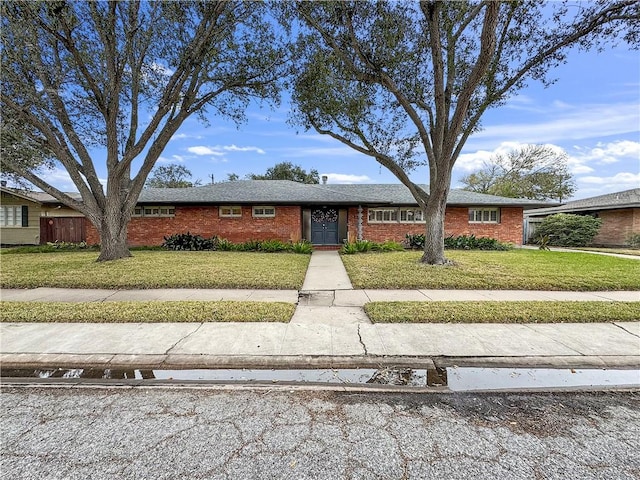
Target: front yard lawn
<point>155,269</point>
<point>502,312</point>
<point>512,270</point>
<point>125,312</point>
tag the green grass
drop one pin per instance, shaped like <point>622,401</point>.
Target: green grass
<point>635,252</point>
<point>155,269</point>
<point>154,312</point>
<point>502,312</point>
<point>517,269</point>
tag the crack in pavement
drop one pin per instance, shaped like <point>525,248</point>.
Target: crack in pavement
<point>625,330</point>
<point>361,342</point>
<point>184,338</point>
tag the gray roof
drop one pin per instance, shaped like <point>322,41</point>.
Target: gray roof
<point>288,192</point>
<point>610,201</point>
<point>293,193</point>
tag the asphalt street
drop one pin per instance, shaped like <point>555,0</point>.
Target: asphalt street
<point>92,432</point>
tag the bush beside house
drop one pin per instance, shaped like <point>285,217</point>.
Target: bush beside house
<point>568,230</point>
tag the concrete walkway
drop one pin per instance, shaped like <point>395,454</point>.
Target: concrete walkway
<point>328,329</point>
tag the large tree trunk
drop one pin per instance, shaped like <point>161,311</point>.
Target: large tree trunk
<point>113,237</point>
<point>434,234</point>
<point>434,216</point>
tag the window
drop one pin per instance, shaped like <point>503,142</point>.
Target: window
<point>411,215</point>
<point>231,211</point>
<point>383,215</point>
<point>484,215</point>
<point>264,212</point>
<point>11,216</point>
<point>154,211</point>
<point>395,215</point>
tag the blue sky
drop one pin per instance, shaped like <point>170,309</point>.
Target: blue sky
<point>592,112</point>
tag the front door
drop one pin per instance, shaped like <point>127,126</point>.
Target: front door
<point>324,226</point>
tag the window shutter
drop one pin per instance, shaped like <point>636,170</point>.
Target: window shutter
<point>25,216</point>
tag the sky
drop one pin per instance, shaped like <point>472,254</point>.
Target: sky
<point>592,113</point>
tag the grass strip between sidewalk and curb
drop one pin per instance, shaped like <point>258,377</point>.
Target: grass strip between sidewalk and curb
<point>155,269</point>
<point>146,312</point>
<point>518,269</point>
<point>502,312</point>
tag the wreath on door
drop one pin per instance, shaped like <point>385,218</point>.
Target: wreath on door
<point>330,216</point>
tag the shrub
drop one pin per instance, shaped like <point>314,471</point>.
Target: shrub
<point>225,245</point>
<point>471,242</point>
<point>567,230</point>
<point>302,246</point>
<point>415,241</point>
<point>349,248</point>
<point>188,241</point>
<point>387,246</point>
<point>272,246</point>
<point>634,240</point>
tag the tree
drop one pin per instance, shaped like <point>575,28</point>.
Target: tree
<point>171,176</point>
<point>20,149</point>
<point>287,171</point>
<point>87,80</point>
<point>407,83</point>
<point>232,177</point>
<point>533,171</point>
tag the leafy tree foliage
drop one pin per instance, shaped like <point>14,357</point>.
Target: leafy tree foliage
<point>287,171</point>
<point>171,176</point>
<point>407,83</point>
<point>87,80</point>
<point>232,177</point>
<point>567,230</point>
<point>534,171</point>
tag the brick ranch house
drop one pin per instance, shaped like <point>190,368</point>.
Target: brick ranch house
<point>619,211</point>
<point>325,214</point>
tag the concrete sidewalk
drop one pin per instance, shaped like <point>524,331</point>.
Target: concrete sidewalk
<point>338,298</point>
<point>328,329</point>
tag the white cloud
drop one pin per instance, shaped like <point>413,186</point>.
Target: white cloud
<point>202,150</point>
<point>472,162</point>
<point>234,148</point>
<point>613,152</point>
<point>346,178</point>
<point>220,150</point>
<point>623,180</point>
<point>562,122</point>
<point>183,136</point>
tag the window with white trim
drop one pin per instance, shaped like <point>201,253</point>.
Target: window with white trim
<point>484,215</point>
<point>383,215</point>
<point>11,216</point>
<point>411,215</point>
<point>154,211</point>
<point>230,211</point>
<point>264,212</point>
<point>395,215</point>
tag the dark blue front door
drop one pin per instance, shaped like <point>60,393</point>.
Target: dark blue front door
<point>324,226</point>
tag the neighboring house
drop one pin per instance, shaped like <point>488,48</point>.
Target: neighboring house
<point>620,214</point>
<point>323,214</point>
<point>33,218</point>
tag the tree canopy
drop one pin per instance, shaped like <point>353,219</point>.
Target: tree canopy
<point>538,172</point>
<point>87,80</point>
<point>287,171</point>
<point>407,83</point>
<point>171,176</point>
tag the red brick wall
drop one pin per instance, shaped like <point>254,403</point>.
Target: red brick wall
<point>456,223</point>
<point>206,221</point>
<point>617,226</point>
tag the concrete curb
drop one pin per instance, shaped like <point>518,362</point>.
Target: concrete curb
<point>302,362</point>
